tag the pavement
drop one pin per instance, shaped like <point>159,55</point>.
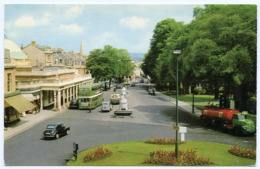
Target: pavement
<point>187,107</point>
<point>28,121</point>
<point>31,120</point>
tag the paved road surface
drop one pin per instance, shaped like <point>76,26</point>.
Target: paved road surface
<point>152,115</point>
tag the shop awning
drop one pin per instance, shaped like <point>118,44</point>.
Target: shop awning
<point>19,103</point>
<point>29,97</point>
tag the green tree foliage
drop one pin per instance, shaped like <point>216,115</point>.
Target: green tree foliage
<point>158,62</point>
<point>109,63</point>
<point>218,51</point>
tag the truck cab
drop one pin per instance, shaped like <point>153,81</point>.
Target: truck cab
<point>242,124</point>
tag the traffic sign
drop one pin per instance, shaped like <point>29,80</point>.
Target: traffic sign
<point>176,128</point>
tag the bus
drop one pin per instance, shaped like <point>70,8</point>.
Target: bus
<point>90,96</point>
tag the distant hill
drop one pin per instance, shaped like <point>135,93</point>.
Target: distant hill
<point>137,56</point>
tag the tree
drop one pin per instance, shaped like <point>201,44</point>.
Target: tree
<point>105,64</point>
<point>158,62</point>
<point>218,51</point>
<point>233,30</point>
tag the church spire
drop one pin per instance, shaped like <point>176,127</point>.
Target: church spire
<point>81,49</point>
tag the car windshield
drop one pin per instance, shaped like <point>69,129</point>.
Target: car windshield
<point>242,117</point>
<point>51,126</point>
<point>114,96</point>
<point>105,103</point>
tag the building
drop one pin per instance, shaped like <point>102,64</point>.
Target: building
<point>14,103</point>
<point>51,77</point>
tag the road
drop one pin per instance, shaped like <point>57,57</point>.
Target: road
<point>152,116</point>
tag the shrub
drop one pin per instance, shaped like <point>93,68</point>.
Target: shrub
<point>188,158</point>
<point>242,152</point>
<point>162,141</point>
<point>198,90</point>
<point>251,105</point>
<point>98,154</point>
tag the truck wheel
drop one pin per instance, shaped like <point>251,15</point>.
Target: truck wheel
<point>221,127</point>
<point>205,123</point>
<point>237,131</point>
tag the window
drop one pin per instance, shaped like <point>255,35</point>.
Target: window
<point>235,116</point>
<point>9,82</point>
<point>242,117</point>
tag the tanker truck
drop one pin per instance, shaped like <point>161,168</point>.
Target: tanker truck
<point>228,120</point>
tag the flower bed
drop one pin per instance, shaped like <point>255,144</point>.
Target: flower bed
<point>188,158</point>
<point>242,152</point>
<point>162,141</point>
<point>98,154</point>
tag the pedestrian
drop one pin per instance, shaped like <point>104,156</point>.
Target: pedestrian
<point>115,89</point>
<point>6,123</point>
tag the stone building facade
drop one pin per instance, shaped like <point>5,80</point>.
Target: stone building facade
<point>14,103</point>
<point>49,77</point>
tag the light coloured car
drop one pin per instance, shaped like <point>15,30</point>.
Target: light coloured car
<point>106,106</point>
<point>115,99</point>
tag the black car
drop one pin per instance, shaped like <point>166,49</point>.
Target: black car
<point>56,130</point>
<point>74,104</point>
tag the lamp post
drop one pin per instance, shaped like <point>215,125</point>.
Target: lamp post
<point>177,52</point>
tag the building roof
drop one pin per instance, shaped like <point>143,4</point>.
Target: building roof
<point>43,47</point>
<point>7,56</point>
<point>15,51</point>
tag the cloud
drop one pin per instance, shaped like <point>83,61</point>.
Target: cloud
<point>143,43</point>
<point>134,22</point>
<point>29,21</point>
<point>106,38</point>
<point>74,11</point>
<point>72,28</point>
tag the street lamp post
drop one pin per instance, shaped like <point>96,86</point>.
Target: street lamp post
<point>177,52</point>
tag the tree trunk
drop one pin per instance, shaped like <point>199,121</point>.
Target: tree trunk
<point>110,80</point>
<point>216,90</point>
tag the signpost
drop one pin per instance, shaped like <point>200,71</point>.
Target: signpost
<point>181,130</point>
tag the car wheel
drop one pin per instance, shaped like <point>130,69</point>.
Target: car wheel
<point>67,132</point>
<point>57,136</point>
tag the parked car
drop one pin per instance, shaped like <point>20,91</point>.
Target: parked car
<point>106,106</point>
<point>56,130</point>
<point>151,91</point>
<point>115,99</point>
<point>74,104</point>
<point>141,80</point>
<point>119,86</point>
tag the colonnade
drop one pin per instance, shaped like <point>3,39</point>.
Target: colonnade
<point>63,95</point>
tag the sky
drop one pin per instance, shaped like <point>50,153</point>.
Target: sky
<point>127,26</point>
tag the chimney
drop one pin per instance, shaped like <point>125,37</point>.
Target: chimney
<point>21,46</point>
<point>33,43</point>
<point>81,49</point>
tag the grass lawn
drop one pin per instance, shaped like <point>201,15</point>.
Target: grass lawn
<point>134,153</point>
<point>200,101</point>
<point>188,97</point>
